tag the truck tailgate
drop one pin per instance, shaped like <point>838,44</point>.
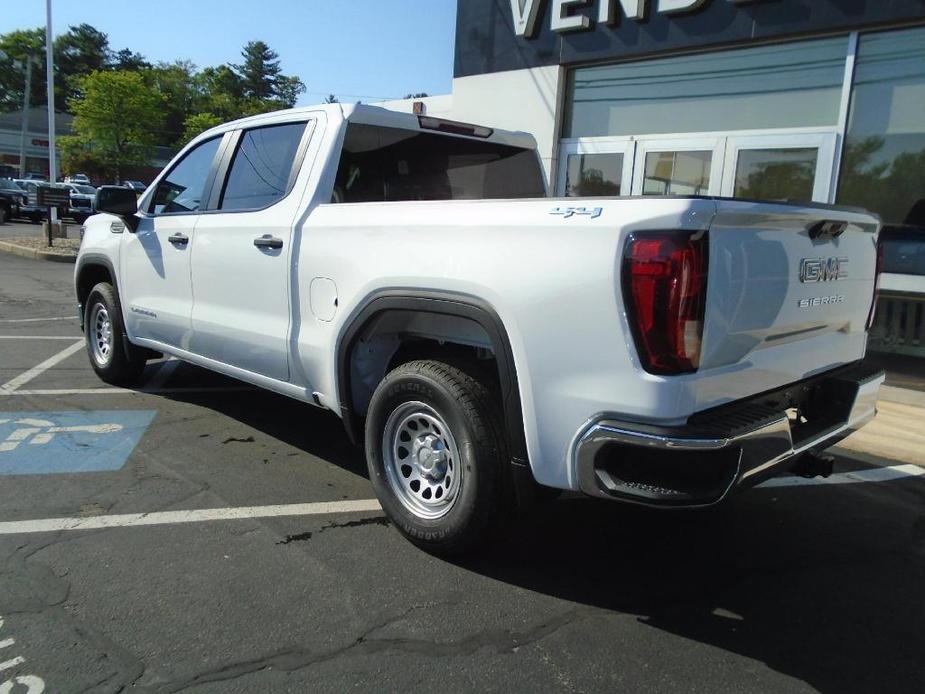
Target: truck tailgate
<point>787,280</point>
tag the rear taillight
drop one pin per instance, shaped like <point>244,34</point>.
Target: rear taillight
<point>665,288</point>
<point>872,314</point>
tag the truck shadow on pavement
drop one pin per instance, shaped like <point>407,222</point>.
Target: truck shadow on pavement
<point>312,430</point>
<point>822,584</point>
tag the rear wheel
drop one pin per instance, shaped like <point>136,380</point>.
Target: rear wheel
<point>436,455</point>
<point>4,214</point>
<point>111,356</point>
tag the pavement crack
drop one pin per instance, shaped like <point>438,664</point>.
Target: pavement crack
<point>232,439</point>
<point>498,641</point>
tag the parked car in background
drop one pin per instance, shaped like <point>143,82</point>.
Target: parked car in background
<point>12,201</point>
<point>899,324</point>
<point>82,201</point>
<point>36,177</point>
<point>31,210</point>
<point>137,186</point>
<point>80,178</point>
<point>903,264</point>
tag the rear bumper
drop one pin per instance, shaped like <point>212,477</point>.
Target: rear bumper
<point>717,451</point>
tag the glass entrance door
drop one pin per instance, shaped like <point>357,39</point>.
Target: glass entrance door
<point>599,168</point>
<point>795,167</point>
<point>682,166</point>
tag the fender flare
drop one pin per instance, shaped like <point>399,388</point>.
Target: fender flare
<point>445,303</point>
<point>105,261</point>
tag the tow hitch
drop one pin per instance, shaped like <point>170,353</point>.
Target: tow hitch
<point>814,465</point>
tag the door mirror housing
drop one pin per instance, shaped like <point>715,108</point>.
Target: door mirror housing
<point>119,201</point>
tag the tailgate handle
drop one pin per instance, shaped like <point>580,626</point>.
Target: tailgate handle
<point>826,229</point>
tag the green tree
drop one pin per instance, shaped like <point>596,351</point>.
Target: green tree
<point>259,71</point>
<point>78,53</point>
<point>196,124</point>
<point>222,92</point>
<point>126,59</point>
<point>116,117</point>
<point>18,45</point>
<point>182,96</point>
<point>262,79</point>
<point>288,89</point>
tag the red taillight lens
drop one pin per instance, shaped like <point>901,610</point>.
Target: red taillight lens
<point>872,314</point>
<point>665,288</point>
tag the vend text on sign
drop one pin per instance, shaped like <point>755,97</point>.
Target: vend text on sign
<point>564,18</point>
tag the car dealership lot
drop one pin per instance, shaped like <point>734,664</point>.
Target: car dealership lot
<point>226,540</point>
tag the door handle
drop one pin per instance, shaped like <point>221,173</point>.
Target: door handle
<point>268,242</point>
<point>179,239</point>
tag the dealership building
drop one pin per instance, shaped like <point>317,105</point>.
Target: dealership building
<point>818,100</point>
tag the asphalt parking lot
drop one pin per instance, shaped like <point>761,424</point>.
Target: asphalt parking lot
<point>199,535</point>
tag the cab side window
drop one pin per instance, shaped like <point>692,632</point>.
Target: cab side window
<point>181,190</point>
<point>260,170</point>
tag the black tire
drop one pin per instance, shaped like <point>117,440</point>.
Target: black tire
<point>4,214</point>
<point>481,501</point>
<point>36,219</point>
<point>123,363</point>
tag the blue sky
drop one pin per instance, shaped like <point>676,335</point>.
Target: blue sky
<point>357,49</point>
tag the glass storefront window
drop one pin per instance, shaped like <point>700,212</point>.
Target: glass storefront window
<point>781,86</point>
<point>594,175</point>
<point>677,173</point>
<point>776,174</point>
<point>883,164</point>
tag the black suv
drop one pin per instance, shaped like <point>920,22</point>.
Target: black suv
<point>12,198</point>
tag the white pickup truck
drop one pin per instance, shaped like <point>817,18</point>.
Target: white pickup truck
<point>409,274</point>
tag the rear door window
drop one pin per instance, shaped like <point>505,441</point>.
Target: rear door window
<point>262,167</point>
<point>389,164</point>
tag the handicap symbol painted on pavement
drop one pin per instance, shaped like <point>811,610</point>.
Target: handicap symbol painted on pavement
<point>40,443</point>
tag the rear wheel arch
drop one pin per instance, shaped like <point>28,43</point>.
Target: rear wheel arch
<point>458,321</point>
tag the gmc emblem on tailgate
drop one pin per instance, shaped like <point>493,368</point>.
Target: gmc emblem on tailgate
<point>823,269</point>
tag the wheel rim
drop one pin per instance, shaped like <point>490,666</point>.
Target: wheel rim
<point>100,335</point>
<point>421,460</point>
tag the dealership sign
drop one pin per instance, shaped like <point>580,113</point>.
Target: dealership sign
<point>564,15</point>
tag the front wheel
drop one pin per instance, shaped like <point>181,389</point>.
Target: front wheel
<point>436,455</point>
<point>112,358</point>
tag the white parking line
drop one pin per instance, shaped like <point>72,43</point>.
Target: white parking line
<point>38,337</point>
<point>13,384</point>
<point>320,508</point>
<point>128,391</point>
<point>36,320</point>
<point>880,474</point>
<point>195,516</point>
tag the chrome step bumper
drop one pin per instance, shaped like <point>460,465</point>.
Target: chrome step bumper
<point>736,445</point>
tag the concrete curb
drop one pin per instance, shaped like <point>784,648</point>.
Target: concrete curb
<point>36,254</point>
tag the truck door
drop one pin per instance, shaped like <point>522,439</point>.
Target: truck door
<point>155,274</point>
<point>243,249</point>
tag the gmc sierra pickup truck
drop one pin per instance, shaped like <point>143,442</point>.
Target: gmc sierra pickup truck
<point>483,340</point>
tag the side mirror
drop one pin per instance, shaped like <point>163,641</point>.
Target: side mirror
<point>119,201</point>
